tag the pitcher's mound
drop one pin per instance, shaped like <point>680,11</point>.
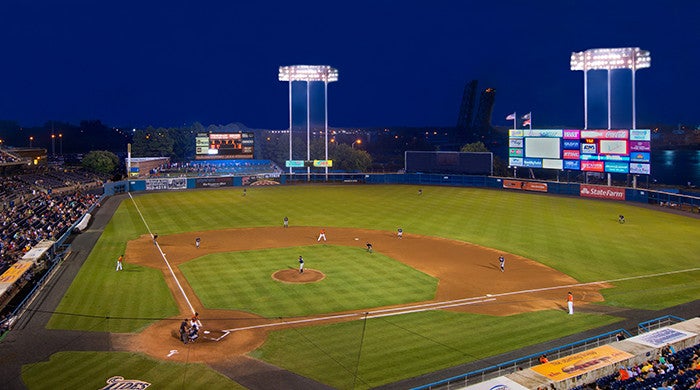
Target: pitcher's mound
<point>293,276</point>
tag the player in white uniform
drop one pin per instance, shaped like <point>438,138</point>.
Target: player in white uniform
<point>301,265</point>
<point>502,260</point>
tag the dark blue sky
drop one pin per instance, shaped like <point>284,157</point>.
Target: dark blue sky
<point>401,63</point>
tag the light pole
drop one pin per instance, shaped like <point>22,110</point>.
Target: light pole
<point>308,73</point>
<point>357,141</point>
<point>31,140</point>
<point>53,144</point>
<point>632,58</point>
<point>60,143</point>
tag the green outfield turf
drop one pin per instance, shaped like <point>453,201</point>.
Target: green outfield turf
<point>576,236</point>
<point>354,280</point>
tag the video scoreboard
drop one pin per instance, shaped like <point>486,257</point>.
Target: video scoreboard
<point>604,151</point>
<point>219,146</point>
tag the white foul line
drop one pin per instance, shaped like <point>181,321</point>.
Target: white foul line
<point>179,286</point>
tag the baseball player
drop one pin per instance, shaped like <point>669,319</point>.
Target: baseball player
<point>369,247</point>
<point>155,238</point>
<point>119,262</point>
<point>197,241</point>
<point>301,265</point>
<point>184,331</point>
<point>399,233</point>
<point>570,302</point>
<point>321,235</point>
<point>502,261</point>
<point>286,222</point>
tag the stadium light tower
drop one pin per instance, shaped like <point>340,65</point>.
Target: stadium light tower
<point>308,73</point>
<point>632,58</point>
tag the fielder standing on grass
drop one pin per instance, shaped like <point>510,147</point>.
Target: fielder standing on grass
<point>119,262</point>
<point>286,222</point>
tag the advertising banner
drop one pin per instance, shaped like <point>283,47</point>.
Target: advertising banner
<point>15,272</point>
<point>515,152</point>
<point>572,134</point>
<point>642,169</point>
<point>213,182</point>
<point>535,186</point>
<point>532,162</point>
<point>515,162</point>
<point>640,156</point>
<point>178,183</point>
<point>553,133</point>
<point>605,134</point>
<point>525,185</point>
<point>500,383</point>
<point>571,144</point>
<point>602,192</point>
<point>572,164</point>
<point>592,166</point>
<point>661,337</point>
<point>516,143</point>
<point>571,154</point>
<point>581,363</point>
<point>640,135</point>
<point>617,167</point>
<point>640,146</point>
<point>261,180</point>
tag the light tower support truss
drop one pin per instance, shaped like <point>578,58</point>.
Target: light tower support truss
<point>308,73</point>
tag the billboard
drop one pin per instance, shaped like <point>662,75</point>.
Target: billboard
<point>223,146</point>
<point>612,151</point>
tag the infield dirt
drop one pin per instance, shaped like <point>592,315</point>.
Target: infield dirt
<point>464,271</point>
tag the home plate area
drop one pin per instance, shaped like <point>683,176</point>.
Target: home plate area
<point>213,335</point>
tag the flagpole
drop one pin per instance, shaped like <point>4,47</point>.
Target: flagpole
<point>515,120</point>
<point>530,120</point>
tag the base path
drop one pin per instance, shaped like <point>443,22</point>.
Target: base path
<point>464,271</point>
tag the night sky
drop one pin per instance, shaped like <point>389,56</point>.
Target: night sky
<point>171,63</point>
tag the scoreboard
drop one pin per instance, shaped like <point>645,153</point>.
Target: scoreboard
<point>609,151</point>
<point>211,146</point>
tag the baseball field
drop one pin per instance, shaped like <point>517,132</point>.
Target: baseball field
<point>435,298</point>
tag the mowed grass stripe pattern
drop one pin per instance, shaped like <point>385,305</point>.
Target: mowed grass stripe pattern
<point>354,280</point>
<point>391,347</point>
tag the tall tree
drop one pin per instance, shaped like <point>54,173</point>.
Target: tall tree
<point>152,142</point>
<point>101,161</point>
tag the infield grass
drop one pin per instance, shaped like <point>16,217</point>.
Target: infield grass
<point>354,280</point>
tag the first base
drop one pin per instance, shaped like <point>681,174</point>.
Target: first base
<point>357,239</point>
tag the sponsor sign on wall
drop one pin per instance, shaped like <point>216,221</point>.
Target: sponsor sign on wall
<point>178,183</point>
<point>661,337</point>
<point>213,182</point>
<point>602,192</point>
<point>581,363</point>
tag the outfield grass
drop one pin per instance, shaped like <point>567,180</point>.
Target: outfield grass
<point>242,281</point>
<point>576,236</point>
<point>389,348</point>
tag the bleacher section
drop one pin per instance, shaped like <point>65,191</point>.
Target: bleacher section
<point>219,168</point>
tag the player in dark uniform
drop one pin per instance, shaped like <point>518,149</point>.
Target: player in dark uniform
<point>502,261</point>
<point>369,247</point>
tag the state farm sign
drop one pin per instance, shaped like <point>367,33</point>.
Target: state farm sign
<point>602,192</point>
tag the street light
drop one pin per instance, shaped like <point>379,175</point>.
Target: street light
<point>31,140</point>
<point>632,58</point>
<point>53,145</point>
<point>308,73</point>
<point>357,141</point>
<point>60,143</point>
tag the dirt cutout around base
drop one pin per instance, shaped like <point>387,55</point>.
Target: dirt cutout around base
<point>464,271</point>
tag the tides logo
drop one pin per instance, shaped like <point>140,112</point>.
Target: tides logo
<point>118,382</point>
